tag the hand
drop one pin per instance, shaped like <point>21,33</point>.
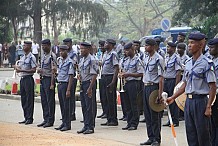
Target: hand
<point>78,77</point>
<point>120,75</point>
<point>208,112</point>
<point>68,94</point>
<point>39,71</point>
<point>89,92</point>
<point>18,70</point>
<point>54,70</point>
<point>52,87</point>
<point>125,75</point>
<point>169,100</point>
<point>159,100</point>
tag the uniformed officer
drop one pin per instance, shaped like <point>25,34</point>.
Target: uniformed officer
<point>153,80</point>
<point>47,88</point>
<point>158,49</point>
<point>27,67</point>
<point>109,79</point>
<point>88,73</point>
<point>181,47</point>
<point>122,67</point>
<point>65,90</point>
<point>103,97</point>
<point>213,45</point>
<point>172,77</point>
<point>141,55</point>
<point>132,74</point>
<point>199,81</point>
<point>73,55</point>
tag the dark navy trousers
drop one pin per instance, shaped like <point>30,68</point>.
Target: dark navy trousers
<point>152,118</point>
<point>131,88</point>
<point>111,99</point>
<point>103,96</point>
<point>47,100</point>
<point>27,96</point>
<point>169,85</point>
<point>65,104</point>
<point>198,126</point>
<point>73,98</point>
<point>87,105</point>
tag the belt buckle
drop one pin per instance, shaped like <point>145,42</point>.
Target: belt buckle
<point>190,96</point>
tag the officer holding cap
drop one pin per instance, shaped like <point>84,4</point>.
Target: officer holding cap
<point>27,67</point>
<point>199,81</point>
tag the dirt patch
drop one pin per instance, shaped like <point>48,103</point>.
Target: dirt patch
<point>22,135</point>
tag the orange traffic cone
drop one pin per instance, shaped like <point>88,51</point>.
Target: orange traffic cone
<point>37,81</point>
<point>14,88</point>
<point>118,98</point>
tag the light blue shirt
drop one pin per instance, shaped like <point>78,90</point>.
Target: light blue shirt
<point>46,64</point>
<point>110,59</point>
<point>173,64</point>
<point>215,61</point>
<point>198,74</point>
<point>65,68</point>
<point>153,68</point>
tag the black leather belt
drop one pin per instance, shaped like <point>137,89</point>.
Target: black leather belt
<point>196,96</point>
<point>150,84</point>
<point>168,79</point>
<point>26,76</point>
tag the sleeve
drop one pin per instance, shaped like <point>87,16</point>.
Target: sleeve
<point>93,68</point>
<point>115,60</point>
<point>139,67</point>
<point>161,66</point>
<point>71,69</point>
<point>33,61</point>
<point>210,74</point>
<point>178,64</point>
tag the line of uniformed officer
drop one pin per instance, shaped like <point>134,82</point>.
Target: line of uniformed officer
<point>47,71</point>
<point>26,68</point>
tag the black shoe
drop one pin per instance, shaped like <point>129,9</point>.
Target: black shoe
<point>126,128</point>
<point>175,125</point>
<point>181,119</point>
<point>48,125</point>
<point>88,131</point>
<point>132,128</point>
<point>125,119</point>
<point>60,127</point>
<point>22,122</point>
<point>81,131</point>
<point>65,129</point>
<point>141,113</point>
<point>142,121</point>
<point>28,122</point>
<point>104,116</point>
<point>100,115</point>
<point>167,124</point>
<point>73,118</point>
<point>121,118</point>
<point>148,142</point>
<point>112,124</point>
<point>155,143</point>
<point>42,124</point>
<point>104,124</point>
<point>81,121</point>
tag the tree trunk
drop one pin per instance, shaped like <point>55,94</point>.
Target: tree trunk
<point>14,24</point>
<point>56,33</point>
<point>37,34</point>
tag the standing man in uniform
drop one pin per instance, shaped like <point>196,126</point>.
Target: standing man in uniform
<point>199,81</point>
<point>88,73</point>
<point>72,54</point>
<point>47,88</point>
<point>132,74</point>
<point>103,97</point>
<point>172,77</point>
<point>26,68</point>
<point>213,45</point>
<point>109,79</point>
<point>65,90</point>
<point>153,80</point>
<point>158,49</point>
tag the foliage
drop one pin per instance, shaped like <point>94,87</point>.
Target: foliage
<point>5,30</point>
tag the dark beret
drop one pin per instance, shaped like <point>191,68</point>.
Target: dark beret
<point>85,44</point>
<point>157,40</point>
<point>213,41</point>
<point>67,40</point>
<point>65,47</point>
<point>150,42</point>
<point>111,41</point>
<point>181,45</point>
<point>196,36</point>
<point>46,41</point>
<point>128,46</point>
<point>137,42</point>
<point>101,42</point>
<point>28,42</point>
<point>171,44</point>
<point>182,34</point>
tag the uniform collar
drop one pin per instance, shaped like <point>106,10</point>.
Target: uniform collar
<point>28,55</point>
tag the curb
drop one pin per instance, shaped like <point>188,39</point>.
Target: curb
<point>38,100</point>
